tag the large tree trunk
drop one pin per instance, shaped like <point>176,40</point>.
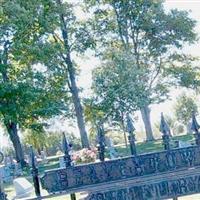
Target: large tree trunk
<point>78,110</point>
<point>145,111</point>
<point>124,131</point>
<point>72,82</point>
<point>12,131</point>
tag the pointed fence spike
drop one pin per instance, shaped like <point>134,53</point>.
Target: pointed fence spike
<point>67,158</point>
<point>66,149</point>
<point>195,127</point>
<point>130,126</point>
<point>34,172</point>
<point>32,158</point>
<point>165,130</point>
<point>164,127</point>
<point>131,137</point>
<point>101,141</point>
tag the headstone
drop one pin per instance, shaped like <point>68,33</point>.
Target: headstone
<point>27,159</point>
<point>18,170</point>
<point>61,162</point>
<point>30,160</point>
<point>6,160</point>
<point>184,144</point>
<point>111,149</point>
<point>44,157</point>
<point>23,188</point>
<point>7,174</point>
<point>3,196</point>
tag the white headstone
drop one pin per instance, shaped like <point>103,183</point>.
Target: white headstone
<point>61,162</point>
<point>44,156</point>
<point>111,149</point>
<point>23,188</point>
<point>184,144</point>
<point>7,176</point>
<point>27,159</point>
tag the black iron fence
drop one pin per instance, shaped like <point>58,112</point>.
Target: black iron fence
<point>73,179</point>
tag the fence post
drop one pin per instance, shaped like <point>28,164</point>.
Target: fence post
<point>66,149</point>
<point>195,127</point>
<point>34,171</point>
<point>165,130</point>
<point>67,159</point>
<point>101,141</point>
<point>131,137</point>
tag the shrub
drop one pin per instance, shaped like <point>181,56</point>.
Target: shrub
<point>85,156</point>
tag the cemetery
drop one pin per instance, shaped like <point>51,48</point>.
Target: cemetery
<point>175,171</point>
<point>99,100</point>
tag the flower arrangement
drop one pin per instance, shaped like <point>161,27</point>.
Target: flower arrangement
<point>85,156</point>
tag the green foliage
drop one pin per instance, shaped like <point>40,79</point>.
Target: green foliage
<point>118,82</point>
<point>178,129</point>
<point>117,137</point>
<point>29,91</point>
<point>150,37</point>
<point>118,87</point>
<point>36,139</point>
<point>50,141</point>
<point>184,72</point>
<point>26,93</point>
<point>184,108</point>
<point>94,114</point>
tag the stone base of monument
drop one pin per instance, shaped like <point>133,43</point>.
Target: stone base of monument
<point>83,195</point>
<point>23,188</point>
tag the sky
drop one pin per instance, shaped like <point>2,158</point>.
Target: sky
<point>88,64</point>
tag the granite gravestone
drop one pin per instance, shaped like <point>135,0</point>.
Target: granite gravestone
<point>111,149</point>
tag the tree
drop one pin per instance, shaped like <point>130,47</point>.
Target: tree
<point>62,38</point>
<point>152,35</point>
<point>184,108</point>
<point>67,20</point>
<point>26,94</point>
<point>56,36</point>
<point>117,87</point>
<point>37,138</point>
<point>94,114</point>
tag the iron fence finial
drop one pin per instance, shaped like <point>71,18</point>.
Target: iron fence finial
<point>66,149</point>
<point>165,130</point>
<point>164,127</point>
<point>131,137</point>
<point>34,171</point>
<point>195,126</point>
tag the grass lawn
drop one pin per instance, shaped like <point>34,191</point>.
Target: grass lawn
<point>142,147</point>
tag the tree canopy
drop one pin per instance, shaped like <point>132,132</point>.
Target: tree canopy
<point>153,37</point>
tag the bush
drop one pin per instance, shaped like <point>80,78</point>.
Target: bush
<point>178,129</point>
<point>117,137</point>
<point>85,156</point>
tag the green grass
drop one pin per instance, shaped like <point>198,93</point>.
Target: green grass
<point>149,147</point>
<point>184,138</point>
